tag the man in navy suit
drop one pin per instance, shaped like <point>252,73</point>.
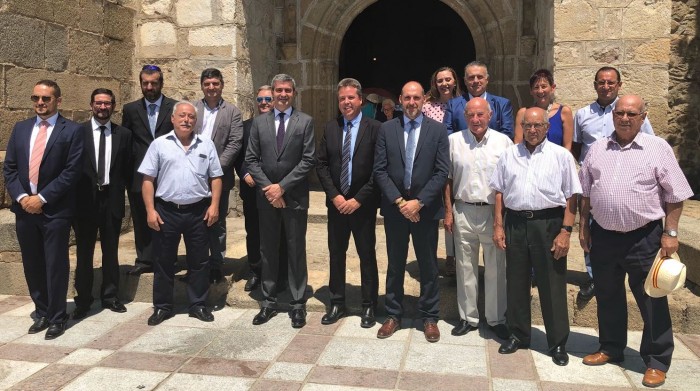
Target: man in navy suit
<point>42,167</point>
<point>411,164</point>
<point>476,78</point>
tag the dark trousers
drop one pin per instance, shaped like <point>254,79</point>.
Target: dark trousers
<point>142,233</point>
<point>191,225</point>
<point>528,246</point>
<point>86,228</point>
<point>44,245</point>
<point>252,227</point>
<point>425,236</point>
<point>217,234</point>
<point>614,255</point>
<point>362,225</point>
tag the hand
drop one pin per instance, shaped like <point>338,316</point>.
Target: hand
<point>584,237</point>
<point>212,215</point>
<point>448,221</point>
<point>338,201</point>
<point>32,204</point>
<point>499,237</point>
<point>279,203</point>
<point>154,220</point>
<point>669,245</point>
<point>560,246</point>
<point>410,209</point>
<point>248,179</point>
<point>273,192</point>
<point>349,206</point>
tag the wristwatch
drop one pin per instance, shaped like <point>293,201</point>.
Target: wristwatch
<point>567,228</point>
<point>671,232</point>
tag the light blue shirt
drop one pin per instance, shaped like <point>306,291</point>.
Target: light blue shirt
<point>353,137</point>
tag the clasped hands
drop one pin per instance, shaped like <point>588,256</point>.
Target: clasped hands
<point>344,206</point>
<point>273,194</point>
<point>409,209</point>
<point>32,204</point>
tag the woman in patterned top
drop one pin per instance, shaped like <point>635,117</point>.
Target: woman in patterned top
<point>444,86</point>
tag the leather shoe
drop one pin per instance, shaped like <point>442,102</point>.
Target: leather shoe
<point>501,331</point>
<point>55,330</point>
<point>252,283</point>
<point>512,346</point>
<point>298,316</point>
<point>215,276</point>
<point>367,319</point>
<point>587,291</point>
<point>140,268</point>
<point>40,324</point>
<point>654,377</point>
<point>114,306</point>
<point>559,356</point>
<point>80,312</point>
<point>431,331</point>
<point>202,313</point>
<point>462,328</point>
<point>388,328</point>
<point>159,315</point>
<point>600,358</point>
<point>337,311</point>
<point>265,314</point>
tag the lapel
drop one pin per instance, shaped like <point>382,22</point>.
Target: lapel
<point>398,130</point>
<point>116,139</point>
<point>25,136</point>
<point>164,107</point>
<point>272,131</point>
<point>360,133</point>
<point>217,121</point>
<point>142,111</point>
<point>57,129</point>
<point>337,139</point>
<point>424,129</point>
<point>89,146</point>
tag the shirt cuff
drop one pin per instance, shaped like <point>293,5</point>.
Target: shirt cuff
<point>43,200</point>
<point>19,197</point>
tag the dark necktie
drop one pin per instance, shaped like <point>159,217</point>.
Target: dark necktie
<point>280,132</point>
<point>345,168</point>
<point>410,152</point>
<point>101,157</point>
<point>152,118</point>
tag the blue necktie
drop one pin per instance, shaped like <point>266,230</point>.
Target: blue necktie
<point>345,168</point>
<point>280,132</point>
<point>410,151</point>
<point>152,118</point>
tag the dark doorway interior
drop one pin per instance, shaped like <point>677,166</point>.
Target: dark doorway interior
<point>394,41</point>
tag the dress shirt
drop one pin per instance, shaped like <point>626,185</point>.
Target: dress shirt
<point>595,122</point>
<point>407,126</point>
<point>35,132</point>
<point>472,164</point>
<point>182,176</point>
<point>353,137</point>
<point>108,146</point>
<point>541,180</point>
<point>209,118</point>
<point>629,186</point>
<point>287,114</point>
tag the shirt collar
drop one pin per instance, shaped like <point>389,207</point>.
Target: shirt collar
<point>597,108</point>
<point>172,136</point>
<point>540,148</point>
<point>639,140</point>
<point>96,125</point>
<point>287,113</point>
<point>158,101</point>
<point>471,136</point>
<point>51,120</point>
<point>217,107</point>
<point>355,121</point>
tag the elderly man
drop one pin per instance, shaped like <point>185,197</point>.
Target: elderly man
<point>185,202</point>
<point>474,153</point>
<point>410,167</point>
<point>536,182</point>
<point>627,232</point>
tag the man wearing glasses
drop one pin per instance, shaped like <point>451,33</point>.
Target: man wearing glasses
<point>148,118</point>
<point>42,167</point>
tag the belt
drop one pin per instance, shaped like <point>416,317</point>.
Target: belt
<point>537,214</point>
<point>101,187</point>
<point>174,205</point>
<point>474,203</point>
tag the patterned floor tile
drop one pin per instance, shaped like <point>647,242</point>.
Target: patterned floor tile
<point>13,327</point>
<point>577,372</point>
<point>692,342</point>
<point>86,356</point>
<point>248,345</point>
<point>223,367</point>
<point>515,366</point>
<point>117,379</point>
<point>76,335</point>
<point>13,372</point>
<point>363,353</point>
<point>34,353</point>
<point>352,329</point>
<point>324,387</point>
<point>119,336</point>
<point>305,349</point>
<point>9,303</point>
<point>682,376</point>
<point>414,381</point>
<point>222,319</point>
<point>474,338</point>
<point>172,340</point>
<point>314,326</point>
<point>513,385</point>
<point>144,361</point>
<point>52,377</point>
<point>186,381</point>
<point>275,385</point>
<point>445,358</point>
<point>288,371</point>
<point>360,377</point>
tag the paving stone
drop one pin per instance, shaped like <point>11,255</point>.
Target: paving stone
<point>8,303</point>
<point>186,381</point>
<point>680,351</point>
<point>363,353</point>
<point>25,352</point>
<point>52,377</point>
<point>324,387</point>
<point>577,372</point>
<point>513,385</point>
<point>223,367</point>
<point>473,338</point>
<point>314,326</point>
<point>173,340</point>
<point>279,322</point>
<point>118,380</point>
<point>446,358</point>
<point>304,349</point>
<point>692,342</point>
<point>516,366</point>
<point>13,327</point>
<point>288,371</point>
<point>25,310</point>
<point>553,386</point>
<point>76,335</point>
<point>85,356</point>
<point>361,377</point>
<point>119,336</point>
<point>248,345</point>
<point>351,329</point>
<point>275,385</point>
<point>144,361</point>
<point>425,381</point>
<point>13,372</point>
<point>222,319</point>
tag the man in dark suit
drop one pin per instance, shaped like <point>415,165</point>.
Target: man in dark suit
<point>42,166</point>
<point>147,118</point>
<point>476,78</point>
<point>221,122</point>
<point>410,167</point>
<point>280,155</point>
<point>100,200</point>
<point>345,162</point>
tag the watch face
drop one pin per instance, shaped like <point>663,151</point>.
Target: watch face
<point>672,233</point>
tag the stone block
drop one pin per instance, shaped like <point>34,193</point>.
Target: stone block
<point>19,83</point>
<point>193,12</point>
<point>157,39</point>
<point>40,9</point>
<point>76,89</point>
<point>569,53</point>
<point>575,20</point>
<point>66,12</point>
<point>229,10</point>
<point>24,48</point>
<point>649,81</point>
<point>119,57</point>
<point>156,7</point>
<point>611,23</point>
<point>120,22</point>
<point>8,118</point>
<point>646,19</point>
<point>212,41</point>
<point>88,54</point>
<point>8,236</point>
<point>295,70</point>
<point>575,84</point>
<point>91,16</point>
<point>289,52</point>
<point>57,52</point>
<point>528,46</point>
<point>654,51</point>
<point>604,52</point>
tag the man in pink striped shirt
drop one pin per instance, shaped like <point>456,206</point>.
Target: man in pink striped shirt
<point>635,189</point>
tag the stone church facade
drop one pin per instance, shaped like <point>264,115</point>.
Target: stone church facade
<point>85,44</point>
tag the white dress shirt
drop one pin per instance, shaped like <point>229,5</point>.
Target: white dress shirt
<point>209,118</point>
<point>108,146</point>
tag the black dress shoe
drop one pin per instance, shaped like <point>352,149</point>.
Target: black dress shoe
<point>252,283</point>
<point>559,356</point>
<point>298,318</point>
<point>40,324</point>
<point>367,319</point>
<point>159,315</point>
<point>501,331</point>
<point>80,313</point>
<point>337,311</point>
<point>265,314</point>
<point>463,328</point>
<point>140,268</point>
<point>587,291</point>
<point>512,346</point>
<point>202,313</point>
<point>114,306</point>
<point>215,276</point>
<point>55,330</point>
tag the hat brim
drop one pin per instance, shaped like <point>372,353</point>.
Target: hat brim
<point>657,292</point>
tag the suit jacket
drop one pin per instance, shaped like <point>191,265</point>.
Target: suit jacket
<point>227,136</point>
<point>135,118</point>
<point>240,165</point>
<point>430,167</point>
<point>119,172</point>
<point>330,160</point>
<point>288,167</point>
<point>501,119</point>
<point>60,168</point>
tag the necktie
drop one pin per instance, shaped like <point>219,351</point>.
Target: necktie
<point>280,132</point>
<point>345,168</point>
<point>101,157</point>
<point>410,151</point>
<point>152,118</point>
<point>38,153</point>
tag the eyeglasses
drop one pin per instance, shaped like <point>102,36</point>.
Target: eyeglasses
<point>604,83</point>
<point>630,114</point>
<point>267,99</point>
<point>149,67</point>
<point>36,98</point>
<point>537,126</point>
<point>102,103</point>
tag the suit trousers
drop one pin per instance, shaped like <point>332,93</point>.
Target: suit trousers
<point>425,236</point>
<point>614,255</point>
<point>473,228</point>
<point>528,246</point>
<point>142,233</point>
<point>86,228</point>
<point>362,225</point>
<point>43,242</point>
<point>190,224</point>
<point>252,227</point>
<point>449,245</point>
<point>217,234</point>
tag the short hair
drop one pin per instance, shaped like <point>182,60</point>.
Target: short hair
<point>184,103</point>
<point>50,84</point>
<point>151,70</point>
<point>350,82</point>
<point>476,63</point>
<point>211,73</point>
<point>434,94</point>
<point>102,91</point>
<point>264,87</point>
<point>390,101</point>
<point>283,78</point>
<point>607,69</point>
<point>541,74</point>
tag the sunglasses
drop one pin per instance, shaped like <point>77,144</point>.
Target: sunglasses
<point>149,67</point>
<point>37,98</point>
<point>267,99</point>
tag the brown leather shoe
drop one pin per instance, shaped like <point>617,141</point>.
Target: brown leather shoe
<point>654,377</point>
<point>388,328</point>
<point>431,331</point>
<point>600,358</point>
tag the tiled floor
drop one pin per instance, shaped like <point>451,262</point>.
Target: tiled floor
<point>120,352</point>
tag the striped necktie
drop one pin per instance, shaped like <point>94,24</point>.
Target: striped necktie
<point>410,152</point>
<point>345,168</point>
<point>38,153</point>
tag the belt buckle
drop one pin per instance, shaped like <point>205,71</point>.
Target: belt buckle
<point>528,214</point>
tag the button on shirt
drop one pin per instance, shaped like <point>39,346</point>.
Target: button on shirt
<point>629,186</point>
<point>541,180</point>
<point>182,176</point>
<point>208,119</point>
<point>35,132</point>
<point>108,145</point>
<point>473,163</point>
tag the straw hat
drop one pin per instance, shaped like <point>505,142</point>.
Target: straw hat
<point>374,98</point>
<point>666,275</point>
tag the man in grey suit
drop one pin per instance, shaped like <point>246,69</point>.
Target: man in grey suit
<point>221,122</point>
<point>280,155</point>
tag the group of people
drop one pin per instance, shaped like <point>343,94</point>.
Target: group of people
<point>509,188</point>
